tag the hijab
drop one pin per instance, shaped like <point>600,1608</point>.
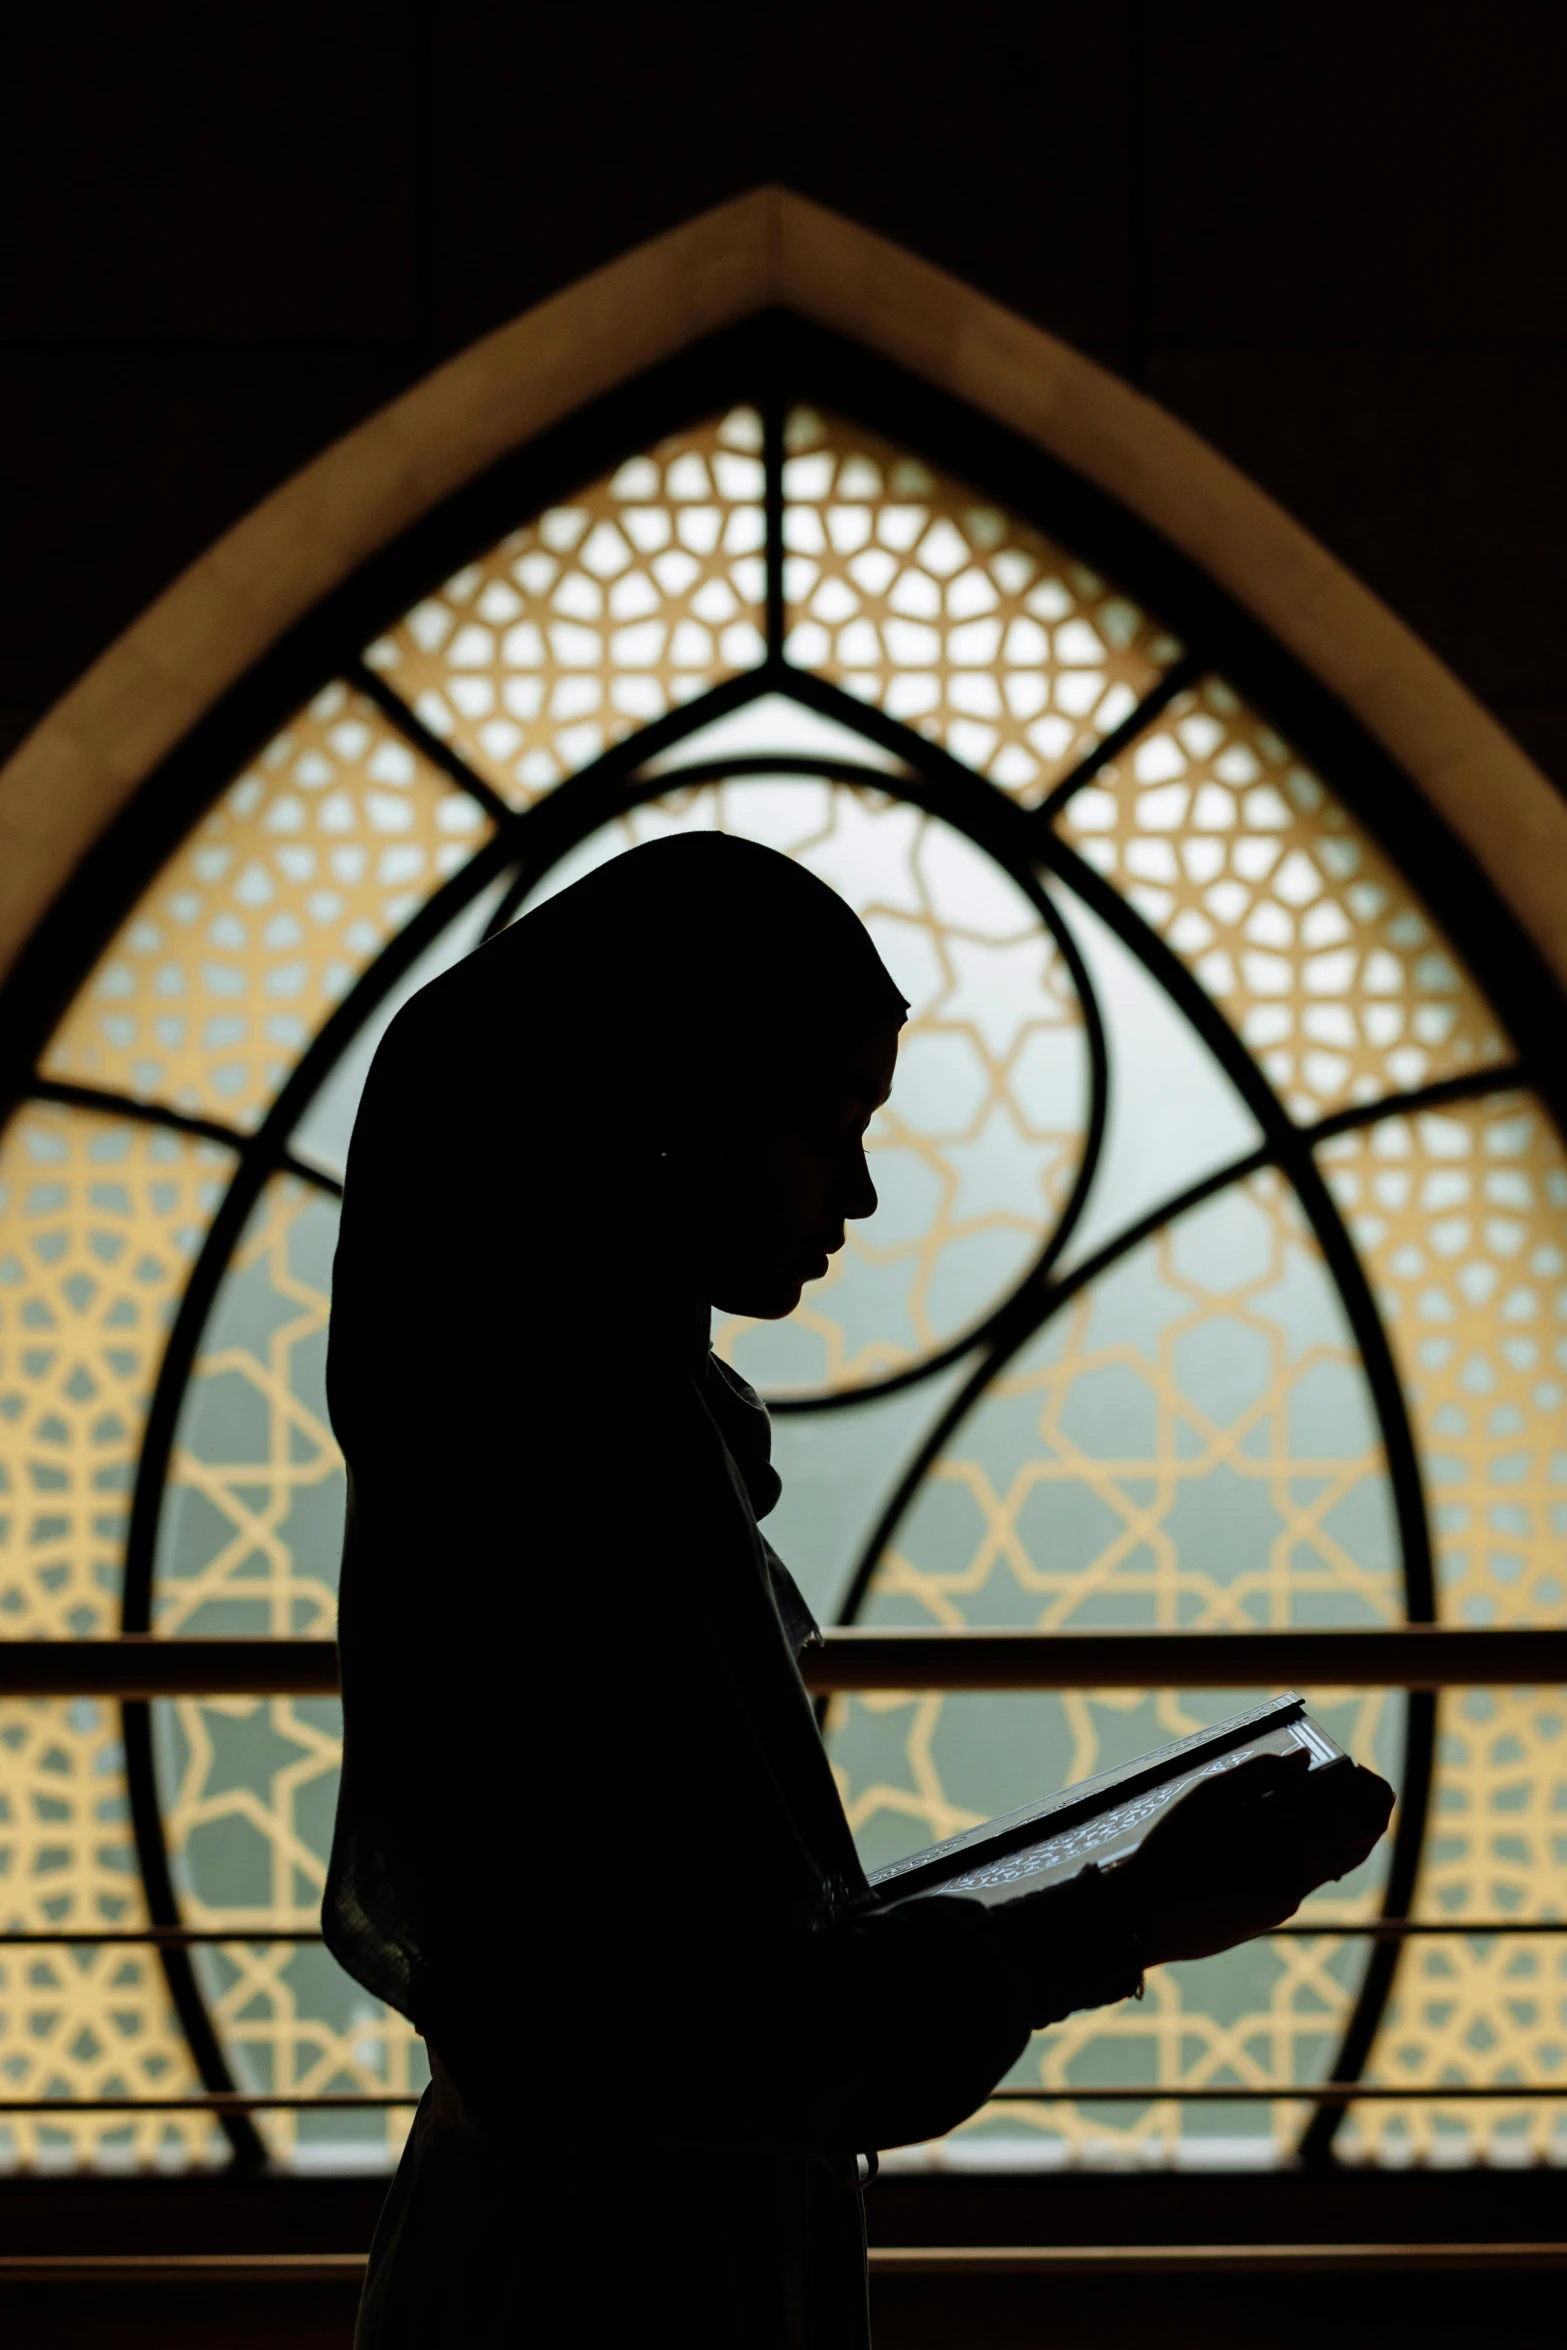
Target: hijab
<point>553,1486</point>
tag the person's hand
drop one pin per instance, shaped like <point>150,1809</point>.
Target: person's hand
<point>1239,1852</point>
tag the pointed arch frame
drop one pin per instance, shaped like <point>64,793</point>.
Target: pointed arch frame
<point>231,690</point>
<point>768,250</point>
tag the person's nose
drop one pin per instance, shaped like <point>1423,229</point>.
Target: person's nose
<point>859,1199</point>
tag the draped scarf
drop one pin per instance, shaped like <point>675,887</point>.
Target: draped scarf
<point>567,1654</point>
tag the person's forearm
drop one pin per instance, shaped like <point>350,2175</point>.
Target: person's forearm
<point>1074,1945</point>
<point>895,2025</point>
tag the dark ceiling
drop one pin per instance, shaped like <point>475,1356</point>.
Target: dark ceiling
<point>1331,237</point>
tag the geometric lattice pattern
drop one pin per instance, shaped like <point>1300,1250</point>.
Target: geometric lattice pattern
<point>1189,1442</point>
<point>99,1221</point>
<point>607,612</point>
<point>1288,913</point>
<point>1461,1216</point>
<point>252,1527</point>
<point>80,2022</point>
<point>1492,2008</point>
<point>915,594</point>
<point>974,1157</point>
<point>258,924</point>
<point>250,1788</point>
<point>252,1536</point>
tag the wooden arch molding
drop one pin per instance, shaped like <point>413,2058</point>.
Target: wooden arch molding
<point>87,757</point>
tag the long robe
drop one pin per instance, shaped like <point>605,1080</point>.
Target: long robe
<point>588,1838</point>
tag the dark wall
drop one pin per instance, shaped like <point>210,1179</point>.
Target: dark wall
<point>1331,237</point>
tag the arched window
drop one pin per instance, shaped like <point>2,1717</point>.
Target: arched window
<point>1220,1275</point>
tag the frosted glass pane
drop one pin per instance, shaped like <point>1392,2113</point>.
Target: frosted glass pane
<point>322,1136</point>
<point>1483,2008</point>
<point>254,931</point>
<point>250,1543</point>
<point>914,591</point>
<point>609,610</point>
<point>774,726</point>
<point>1461,1216</point>
<point>839,1469</point>
<point>1175,1117</point>
<point>1283,906</point>
<point>1190,1440</point>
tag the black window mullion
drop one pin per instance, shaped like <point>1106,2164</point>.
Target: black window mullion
<point>1470,1085</point>
<point>107,1102</point>
<point>103,1101</point>
<point>412,728</point>
<point>1183,673</point>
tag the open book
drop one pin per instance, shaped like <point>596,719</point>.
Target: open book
<point>1100,1819</point>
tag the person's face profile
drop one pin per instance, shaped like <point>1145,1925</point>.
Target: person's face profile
<point>782,1198</point>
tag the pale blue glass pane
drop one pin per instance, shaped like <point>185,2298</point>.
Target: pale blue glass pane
<point>253,1515</point>
<point>250,1543</point>
<point>322,1135</point>
<point>1189,1441</point>
<point>839,1470</point>
<point>774,726</point>
<point>1175,1115</point>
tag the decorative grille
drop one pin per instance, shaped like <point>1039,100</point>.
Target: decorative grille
<point>1221,1225</point>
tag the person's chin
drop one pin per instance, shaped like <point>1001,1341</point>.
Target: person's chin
<point>774,1302</point>
<point>781,1302</point>
<point>772,1297</point>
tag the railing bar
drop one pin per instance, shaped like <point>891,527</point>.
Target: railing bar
<point>1185,2259</point>
<point>1402,1929</point>
<point>1320,2092</point>
<point>1146,2093</point>
<point>219,1937</point>
<point>1415,1656</point>
<point>302,2268</point>
<point>1407,1656</point>
<point>212,2101</point>
<point>139,1937</point>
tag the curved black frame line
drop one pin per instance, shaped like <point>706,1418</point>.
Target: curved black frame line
<point>737,365</point>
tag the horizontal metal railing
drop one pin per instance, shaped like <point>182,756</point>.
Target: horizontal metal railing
<point>347,2269</point>
<point>1405,1656</point>
<point>143,1666</point>
<point>221,2101</point>
<point>1105,2260</point>
<point>255,1935</point>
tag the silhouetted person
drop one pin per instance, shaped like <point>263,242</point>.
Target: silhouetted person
<point>587,1837</point>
